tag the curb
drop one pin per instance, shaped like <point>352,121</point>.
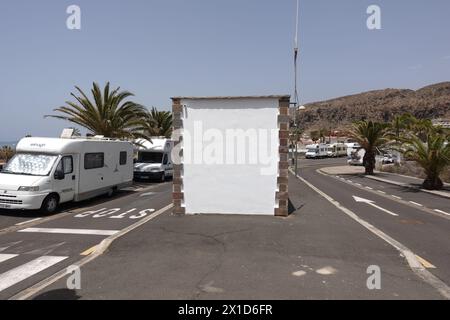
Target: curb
<point>401,184</point>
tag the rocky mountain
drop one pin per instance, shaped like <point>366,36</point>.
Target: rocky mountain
<point>430,102</point>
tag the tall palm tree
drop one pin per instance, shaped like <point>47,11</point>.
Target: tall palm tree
<point>158,123</point>
<point>397,128</point>
<point>369,135</point>
<point>431,153</point>
<point>110,113</point>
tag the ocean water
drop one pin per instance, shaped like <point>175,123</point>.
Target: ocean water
<point>8,143</point>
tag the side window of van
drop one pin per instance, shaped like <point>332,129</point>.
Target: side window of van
<point>165,159</point>
<point>65,165</point>
<point>94,160</point>
<point>123,158</point>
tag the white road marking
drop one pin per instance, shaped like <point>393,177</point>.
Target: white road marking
<point>147,194</point>
<point>71,231</point>
<point>27,270</point>
<point>8,245</point>
<point>382,192</point>
<point>358,184</point>
<point>4,257</point>
<point>417,204</point>
<point>99,250</point>
<point>372,203</point>
<point>28,221</point>
<point>396,197</point>
<point>369,188</point>
<point>443,212</point>
<point>413,263</point>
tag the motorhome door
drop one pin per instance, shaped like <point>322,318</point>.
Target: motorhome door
<point>65,184</point>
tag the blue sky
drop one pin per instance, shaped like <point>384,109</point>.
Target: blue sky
<point>162,48</point>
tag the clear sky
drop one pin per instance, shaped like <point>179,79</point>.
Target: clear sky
<point>162,48</point>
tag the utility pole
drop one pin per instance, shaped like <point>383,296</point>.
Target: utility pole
<point>296,100</point>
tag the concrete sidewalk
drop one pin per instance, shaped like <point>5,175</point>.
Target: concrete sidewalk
<point>316,253</point>
<point>390,178</point>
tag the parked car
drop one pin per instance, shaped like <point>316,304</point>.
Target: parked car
<point>388,159</point>
<point>356,158</point>
<point>46,172</point>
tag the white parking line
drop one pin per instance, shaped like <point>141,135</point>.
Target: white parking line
<point>415,203</point>
<point>369,188</point>
<point>358,184</point>
<point>396,197</point>
<point>28,221</point>
<point>27,270</point>
<point>4,257</point>
<point>443,212</point>
<point>381,192</point>
<point>71,231</point>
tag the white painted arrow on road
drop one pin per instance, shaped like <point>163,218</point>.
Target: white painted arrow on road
<point>372,203</point>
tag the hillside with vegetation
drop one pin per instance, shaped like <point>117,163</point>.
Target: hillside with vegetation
<point>431,102</point>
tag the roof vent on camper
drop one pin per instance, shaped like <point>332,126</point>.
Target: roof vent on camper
<point>67,133</point>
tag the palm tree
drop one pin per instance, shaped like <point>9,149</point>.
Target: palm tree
<point>109,114</point>
<point>397,128</point>
<point>6,153</point>
<point>369,135</point>
<point>158,123</point>
<point>399,125</point>
<point>431,153</point>
<point>314,135</point>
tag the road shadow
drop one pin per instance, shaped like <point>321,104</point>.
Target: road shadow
<point>292,209</point>
<point>58,294</point>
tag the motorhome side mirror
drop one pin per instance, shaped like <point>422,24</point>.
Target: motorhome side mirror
<point>59,175</point>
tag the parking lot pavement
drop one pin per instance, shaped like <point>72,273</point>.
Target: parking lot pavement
<point>316,253</point>
<point>31,252</point>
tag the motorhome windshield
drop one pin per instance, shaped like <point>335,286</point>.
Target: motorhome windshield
<point>30,164</point>
<point>150,157</point>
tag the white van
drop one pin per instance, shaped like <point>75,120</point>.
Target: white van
<point>352,147</point>
<point>46,172</point>
<point>336,150</point>
<point>154,159</point>
<point>316,151</point>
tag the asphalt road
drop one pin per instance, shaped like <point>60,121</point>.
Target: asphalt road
<point>415,224</point>
<point>33,247</point>
<point>316,253</point>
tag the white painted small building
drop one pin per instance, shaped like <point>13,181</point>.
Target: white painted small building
<point>232,155</point>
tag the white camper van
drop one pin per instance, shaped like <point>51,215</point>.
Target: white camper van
<point>48,171</point>
<point>316,151</point>
<point>154,159</point>
<point>336,150</point>
<point>352,147</point>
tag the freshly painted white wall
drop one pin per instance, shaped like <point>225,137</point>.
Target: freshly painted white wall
<point>223,188</point>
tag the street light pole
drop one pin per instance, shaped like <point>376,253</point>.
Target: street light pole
<point>295,89</point>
